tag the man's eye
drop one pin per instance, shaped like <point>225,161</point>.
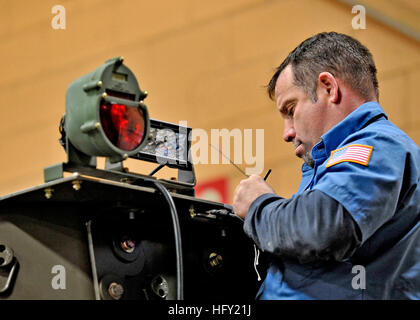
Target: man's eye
<point>291,111</point>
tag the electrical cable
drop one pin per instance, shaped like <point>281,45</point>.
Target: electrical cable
<point>156,169</point>
<point>178,245</point>
<point>231,162</point>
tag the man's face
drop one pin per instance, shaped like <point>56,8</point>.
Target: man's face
<point>304,121</point>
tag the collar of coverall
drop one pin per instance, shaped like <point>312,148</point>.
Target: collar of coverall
<point>349,125</point>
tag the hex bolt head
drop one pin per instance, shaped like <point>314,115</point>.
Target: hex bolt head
<point>76,185</point>
<point>48,192</point>
<point>128,245</point>
<point>215,259</point>
<point>115,290</point>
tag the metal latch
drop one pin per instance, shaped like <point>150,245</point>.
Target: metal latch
<point>8,267</point>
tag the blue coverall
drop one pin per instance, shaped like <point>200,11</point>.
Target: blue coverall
<point>312,250</point>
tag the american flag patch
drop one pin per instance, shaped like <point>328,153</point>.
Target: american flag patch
<point>353,153</point>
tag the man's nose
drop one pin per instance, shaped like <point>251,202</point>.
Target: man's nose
<point>289,132</point>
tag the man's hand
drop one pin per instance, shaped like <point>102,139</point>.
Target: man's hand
<point>247,191</point>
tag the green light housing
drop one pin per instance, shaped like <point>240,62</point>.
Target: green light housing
<point>105,114</point>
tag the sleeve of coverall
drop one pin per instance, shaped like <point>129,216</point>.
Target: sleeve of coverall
<point>371,192</point>
<point>310,226</point>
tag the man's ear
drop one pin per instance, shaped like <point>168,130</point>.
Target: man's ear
<point>328,85</point>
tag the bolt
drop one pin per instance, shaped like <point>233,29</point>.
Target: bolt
<point>48,192</point>
<point>192,212</point>
<point>215,259</point>
<point>76,185</point>
<point>132,215</point>
<point>115,290</point>
<point>125,180</point>
<point>128,245</point>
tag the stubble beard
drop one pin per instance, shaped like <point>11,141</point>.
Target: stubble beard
<point>309,161</point>
<point>307,157</point>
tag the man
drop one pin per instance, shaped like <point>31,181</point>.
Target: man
<point>352,230</point>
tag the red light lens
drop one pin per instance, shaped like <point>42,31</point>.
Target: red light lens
<point>123,125</point>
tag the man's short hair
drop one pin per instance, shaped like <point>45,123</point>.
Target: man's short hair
<point>339,54</point>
